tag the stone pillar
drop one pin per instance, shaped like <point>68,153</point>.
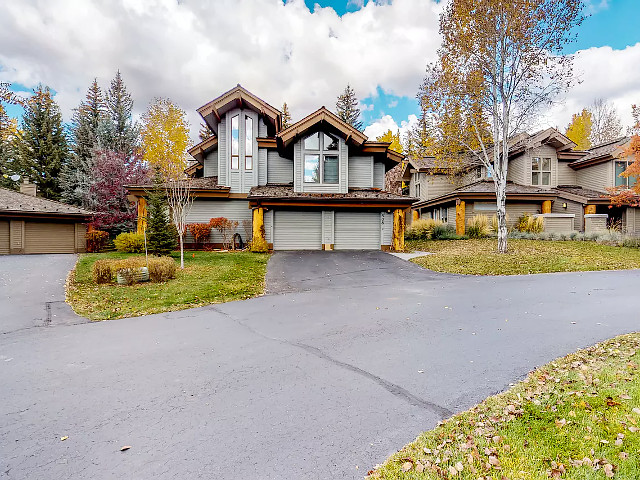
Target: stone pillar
<point>398,230</point>
<point>415,215</point>
<point>258,240</point>
<point>142,215</point>
<point>546,206</point>
<point>589,209</point>
<point>460,217</point>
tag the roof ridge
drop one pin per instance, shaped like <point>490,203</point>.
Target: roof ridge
<point>57,202</point>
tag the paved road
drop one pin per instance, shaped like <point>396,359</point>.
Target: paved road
<point>322,382</point>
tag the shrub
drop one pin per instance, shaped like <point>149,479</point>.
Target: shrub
<point>494,223</point>
<point>97,241</point>
<point>529,224</point>
<point>226,228</point>
<point>102,272</point>
<point>129,268</point>
<point>478,226</point>
<point>259,245</point>
<point>129,242</point>
<point>421,229</point>
<point>444,231</point>
<point>200,231</point>
<point>162,269</point>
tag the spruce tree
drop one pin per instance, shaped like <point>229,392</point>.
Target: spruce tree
<point>161,238</point>
<point>76,174</point>
<point>347,108</point>
<point>204,132</point>
<point>41,143</point>
<point>286,116</point>
<point>119,133</point>
<point>7,132</point>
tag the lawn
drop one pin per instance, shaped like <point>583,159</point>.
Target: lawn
<point>479,257</point>
<point>208,277</point>
<point>576,418</point>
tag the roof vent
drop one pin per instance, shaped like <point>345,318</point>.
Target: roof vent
<point>28,188</point>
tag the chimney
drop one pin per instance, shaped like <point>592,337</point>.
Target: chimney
<point>28,188</point>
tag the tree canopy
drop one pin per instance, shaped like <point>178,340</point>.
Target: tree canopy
<point>347,108</point>
<point>579,129</point>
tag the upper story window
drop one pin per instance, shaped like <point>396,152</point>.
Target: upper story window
<point>628,182</point>
<point>236,134</point>
<point>540,171</point>
<point>418,190</point>
<point>321,159</point>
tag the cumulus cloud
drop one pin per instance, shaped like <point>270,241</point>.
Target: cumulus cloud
<point>191,51</point>
<point>386,123</point>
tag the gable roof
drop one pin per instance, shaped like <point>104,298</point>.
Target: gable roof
<point>320,117</point>
<point>12,202</point>
<point>238,97</point>
<point>201,149</point>
<point>601,153</point>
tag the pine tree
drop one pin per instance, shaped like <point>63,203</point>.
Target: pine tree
<point>119,133</point>
<point>41,143</point>
<point>286,116</point>
<point>161,238</point>
<point>347,108</point>
<point>87,118</point>
<point>204,132</point>
<point>7,133</point>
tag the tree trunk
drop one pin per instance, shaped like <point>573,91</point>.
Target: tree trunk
<point>181,252</point>
<point>501,198</point>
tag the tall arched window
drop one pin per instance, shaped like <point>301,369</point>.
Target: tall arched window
<point>321,159</point>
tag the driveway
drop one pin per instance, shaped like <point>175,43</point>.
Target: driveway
<point>32,291</point>
<point>362,354</point>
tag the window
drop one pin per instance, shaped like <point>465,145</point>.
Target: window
<point>235,143</point>
<point>321,159</point>
<point>490,172</point>
<point>248,146</point>
<point>540,171</point>
<point>443,215</point>
<point>417,190</point>
<point>624,181</point>
<point>478,172</point>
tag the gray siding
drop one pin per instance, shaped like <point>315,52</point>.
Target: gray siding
<point>262,127</point>
<point>386,227</point>
<point>360,172</point>
<point>327,227</point>
<point>566,174</point>
<point>262,166</point>
<point>517,170</point>
<point>378,175</point>
<point>357,231</point>
<point>431,186</point>
<point>344,167</point>
<point>223,163</point>
<point>572,207</point>
<point>204,210</point>
<point>279,169</point>
<point>297,167</point>
<point>597,177</point>
<point>558,224</point>
<point>211,164</point>
<point>515,210</point>
<point>268,226</point>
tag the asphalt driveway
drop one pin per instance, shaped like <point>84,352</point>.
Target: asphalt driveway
<point>363,353</point>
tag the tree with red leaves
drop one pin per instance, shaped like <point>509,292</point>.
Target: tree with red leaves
<point>630,196</point>
<point>108,196</point>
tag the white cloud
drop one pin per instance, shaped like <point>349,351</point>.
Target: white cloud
<point>595,6</point>
<point>191,51</point>
<point>386,123</point>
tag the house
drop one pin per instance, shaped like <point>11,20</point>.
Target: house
<point>30,224</point>
<point>546,177</point>
<point>318,184</point>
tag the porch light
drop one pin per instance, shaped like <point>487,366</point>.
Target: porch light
<point>564,205</point>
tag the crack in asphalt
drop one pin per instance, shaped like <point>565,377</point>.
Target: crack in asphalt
<point>392,388</point>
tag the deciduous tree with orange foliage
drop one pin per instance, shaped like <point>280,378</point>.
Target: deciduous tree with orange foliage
<point>499,63</point>
<point>630,196</point>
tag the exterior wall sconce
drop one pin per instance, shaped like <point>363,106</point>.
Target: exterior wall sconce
<point>564,205</point>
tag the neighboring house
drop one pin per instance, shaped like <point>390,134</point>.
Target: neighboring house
<point>319,184</point>
<point>30,224</point>
<point>545,177</point>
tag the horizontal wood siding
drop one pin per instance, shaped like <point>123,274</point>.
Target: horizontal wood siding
<point>517,170</point>
<point>16,234</point>
<point>386,227</point>
<point>378,175</point>
<point>515,210</point>
<point>223,158</point>
<point>360,172</point>
<point>262,127</point>
<point>566,174</point>
<point>4,237</point>
<point>211,164</point>
<point>297,167</point>
<point>268,226</point>
<point>279,169</point>
<point>558,225</point>
<point>81,238</point>
<point>204,210</point>
<point>436,185</point>
<point>263,166</point>
<point>597,177</point>
<point>572,207</point>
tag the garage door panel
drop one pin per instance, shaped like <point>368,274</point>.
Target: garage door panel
<point>49,237</point>
<point>357,231</point>
<point>297,230</point>
<point>4,238</point>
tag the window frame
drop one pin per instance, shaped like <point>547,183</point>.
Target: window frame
<point>540,171</point>
<point>626,181</point>
<point>248,141</point>
<point>321,153</point>
<point>235,156</point>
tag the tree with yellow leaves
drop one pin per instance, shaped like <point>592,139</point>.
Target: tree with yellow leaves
<point>165,138</point>
<point>393,139</point>
<point>579,130</point>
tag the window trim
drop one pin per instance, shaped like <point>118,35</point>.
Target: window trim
<point>321,152</point>
<point>540,171</point>
<point>248,140</point>
<point>618,177</point>
<point>235,156</point>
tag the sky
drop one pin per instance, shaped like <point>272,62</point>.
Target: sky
<point>303,52</point>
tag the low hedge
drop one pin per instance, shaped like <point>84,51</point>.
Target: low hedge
<point>161,269</point>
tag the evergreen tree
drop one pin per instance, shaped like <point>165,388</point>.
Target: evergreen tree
<point>347,108</point>
<point>87,118</point>
<point>286,116</point>
<point>41,143</point>
<point>119,133</point>
<point>161,238</point>
<point>7,132</point>
<point>204,132</point>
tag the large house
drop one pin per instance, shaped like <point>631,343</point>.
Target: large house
<point>546,177</point>
<point>318,184</point>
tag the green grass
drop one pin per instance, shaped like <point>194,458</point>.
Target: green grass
<point>576,418</point>
<point>208,277</point>
<point>479,257</point>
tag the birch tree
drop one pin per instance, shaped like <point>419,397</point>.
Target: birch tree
<point>500,62</point>
<point>180,200</point>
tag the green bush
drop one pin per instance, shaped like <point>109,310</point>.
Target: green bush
<point>129,243</point>
<point>444,231</point>
<point>478,226</point>
<point>162,269</point>
<point>421,229</point>
<point>102,272</point>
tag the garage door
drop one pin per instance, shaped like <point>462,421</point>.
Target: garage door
<point>357,231</point>
<point>49,237</point>
<point>4,238</point>
<point>297,230</point>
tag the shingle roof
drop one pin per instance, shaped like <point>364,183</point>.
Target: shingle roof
<point>199,183</point>
<point>12,201</point>
<point>487,186</point>
<point>601,150</point>
<point>582,192</point>
<point>286,192</point>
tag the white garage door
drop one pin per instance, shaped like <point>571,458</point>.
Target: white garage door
<point>4,237</point>
<point>49,237</point>
<point>297,230</point>
<point>357,231</point>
